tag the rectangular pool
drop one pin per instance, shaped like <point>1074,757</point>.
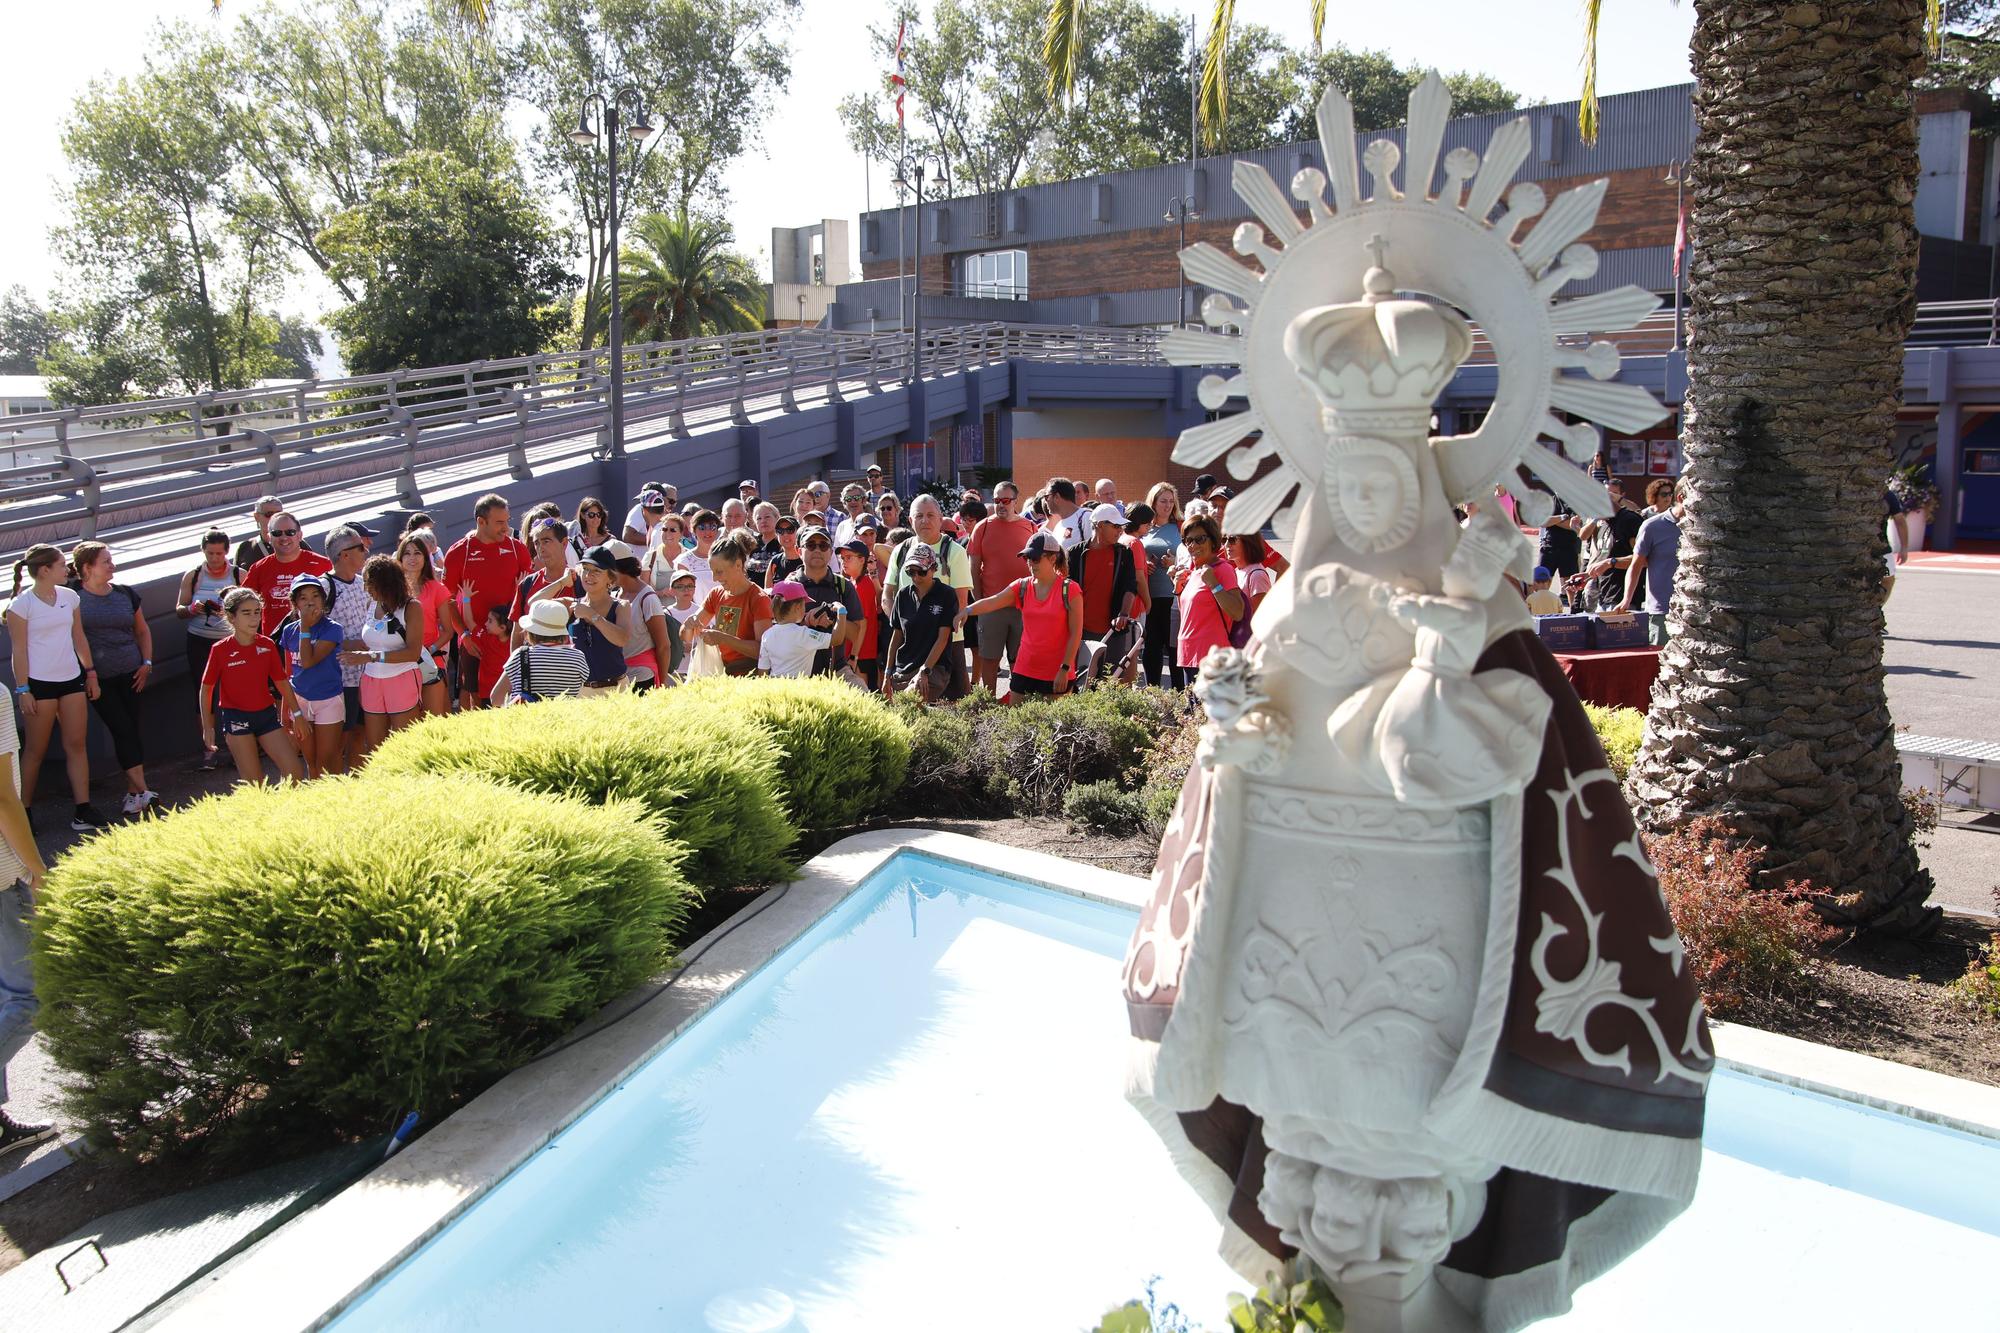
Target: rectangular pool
<point>912,1118</point>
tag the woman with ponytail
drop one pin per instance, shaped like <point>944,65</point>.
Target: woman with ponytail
<point>54,676</point>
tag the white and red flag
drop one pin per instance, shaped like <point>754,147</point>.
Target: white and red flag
<point>1680,239</point>
<point>896,80</point>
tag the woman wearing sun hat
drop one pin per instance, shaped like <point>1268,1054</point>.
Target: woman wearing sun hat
<point>547,665</point>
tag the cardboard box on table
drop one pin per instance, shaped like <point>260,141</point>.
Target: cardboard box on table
<point>1563,634</point>
<point>1617,629</point>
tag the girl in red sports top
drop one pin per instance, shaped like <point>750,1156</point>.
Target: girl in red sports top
<point>242,672</point>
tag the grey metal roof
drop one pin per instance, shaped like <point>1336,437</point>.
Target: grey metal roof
<point>1649,128</point>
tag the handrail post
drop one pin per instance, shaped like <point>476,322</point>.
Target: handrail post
<point>601,384</point>
<point>80,472</point>
<point>832,352</point>
<point>407,491</point>
<point>738,413</point>
<point>677,418</point>
<point>874,369</point>
<point>517,449</point>
<point>261,442</point>
<point>788,398</point>
<point>395,386</point>
<point>300,412</point>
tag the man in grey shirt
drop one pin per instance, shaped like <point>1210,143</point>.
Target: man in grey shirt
<point>1656,558</point>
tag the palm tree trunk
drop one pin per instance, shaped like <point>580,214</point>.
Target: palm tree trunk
<point>1771,711</point>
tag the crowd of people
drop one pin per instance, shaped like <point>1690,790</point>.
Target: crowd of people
<point>307,659</point>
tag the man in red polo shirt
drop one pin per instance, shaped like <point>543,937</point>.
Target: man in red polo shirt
<point>995,550</point>
<point>482,568</point>
<point>271,577</point>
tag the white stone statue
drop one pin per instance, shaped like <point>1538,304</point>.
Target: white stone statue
<point>1407,1004</point>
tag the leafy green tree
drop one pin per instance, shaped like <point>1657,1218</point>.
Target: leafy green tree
<point>1378,87</point>
<point>1970,54</point>
<point>681,280</point>
<point>298,345</point>
<point>27,332</point>
<point>709,73</point>
<point>104,352</point>
<point>153,221</point>
<point>452,264</point>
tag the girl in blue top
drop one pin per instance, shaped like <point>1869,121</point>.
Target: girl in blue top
<point>312,645</point>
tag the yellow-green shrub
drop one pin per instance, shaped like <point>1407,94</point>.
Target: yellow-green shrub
<point>713,777</point>
<point>327,957</point>
<point>844,753</point>
<point>1619,730</point>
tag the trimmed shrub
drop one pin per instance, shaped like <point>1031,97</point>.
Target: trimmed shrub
<point>1619,730</point>
<point>279,961</point>
<point>1744,944</point>
<point>713,779</point>
<point>947,773</point>
<point>1104,806</point>
<point>1167,769</point>
<point>1043,747</point>
<point>842,753</point>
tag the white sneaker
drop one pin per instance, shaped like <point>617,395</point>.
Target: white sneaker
<point>136,801</point>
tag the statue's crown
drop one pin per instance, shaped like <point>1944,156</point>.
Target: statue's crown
<point>1378,354</point>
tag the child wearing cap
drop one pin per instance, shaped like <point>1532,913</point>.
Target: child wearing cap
<point>1542,600</point>
<point>311,643</point>
<point>787,647</point>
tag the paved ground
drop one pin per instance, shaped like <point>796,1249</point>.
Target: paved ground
<point>1943,657</point>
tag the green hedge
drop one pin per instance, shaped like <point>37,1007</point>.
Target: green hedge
<point>322,959</point>
<point>842,754</point>
<point>712,775</point>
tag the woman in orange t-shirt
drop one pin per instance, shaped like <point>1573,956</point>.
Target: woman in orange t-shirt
<point>736,612</point>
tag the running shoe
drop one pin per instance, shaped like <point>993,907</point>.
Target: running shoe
<point>210,761</point>
<point>14,1134</point>
<point>85,819</point>
<point>135,801</point>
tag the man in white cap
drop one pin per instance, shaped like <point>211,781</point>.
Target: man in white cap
<point>1114,596</point>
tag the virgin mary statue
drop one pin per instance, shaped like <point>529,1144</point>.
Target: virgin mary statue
<point>1407,1004</point>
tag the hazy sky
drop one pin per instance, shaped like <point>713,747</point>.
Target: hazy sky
<point>805,170</point>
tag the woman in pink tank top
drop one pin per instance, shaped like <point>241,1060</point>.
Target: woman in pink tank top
<point>1051,609</point>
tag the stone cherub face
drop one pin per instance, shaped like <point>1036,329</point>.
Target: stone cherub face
<point>1375,1227</point>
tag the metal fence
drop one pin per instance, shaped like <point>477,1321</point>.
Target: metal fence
<point>170,457</point>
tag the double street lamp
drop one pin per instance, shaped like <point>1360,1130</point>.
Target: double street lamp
<point>910,173</point>
<point>1179,209</point>
<point>585,135</point>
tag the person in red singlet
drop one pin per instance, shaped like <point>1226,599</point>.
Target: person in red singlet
<point>1051,607</point>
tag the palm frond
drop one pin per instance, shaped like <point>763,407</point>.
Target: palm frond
<point>1934,28</point>
<point>1586,109</point>
<point>1215,75</point>
<point>1062,46</point>
<point>1319,24</point>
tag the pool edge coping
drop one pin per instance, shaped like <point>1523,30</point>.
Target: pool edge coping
<point>312,1270</point>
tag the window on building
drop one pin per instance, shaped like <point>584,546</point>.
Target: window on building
<point>999,274</point>
<point>819,259</point>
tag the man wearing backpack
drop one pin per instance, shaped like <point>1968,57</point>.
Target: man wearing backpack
<point>954,571</point>
<point>832,604</point>
<point>1114,597</point>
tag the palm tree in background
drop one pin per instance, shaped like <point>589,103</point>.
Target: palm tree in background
<point>1771,711</point>
<point>680,279</point>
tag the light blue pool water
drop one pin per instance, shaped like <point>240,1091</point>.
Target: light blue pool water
<point>912,1119</point>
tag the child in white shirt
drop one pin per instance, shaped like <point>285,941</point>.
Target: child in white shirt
<point>788,646</point>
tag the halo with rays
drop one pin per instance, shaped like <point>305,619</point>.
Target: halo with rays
<point>1450,245</point>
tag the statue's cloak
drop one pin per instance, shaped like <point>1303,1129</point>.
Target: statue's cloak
<point>1584,1072</point>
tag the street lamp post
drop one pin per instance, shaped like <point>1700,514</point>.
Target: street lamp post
<point>910,174</point>
<point>585,135</point>
<point>1179,209</point>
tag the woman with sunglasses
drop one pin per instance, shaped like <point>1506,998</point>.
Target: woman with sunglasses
<point>657,564</point>
<point>550,577</point>
<point>1210,602</point>
<point>1051,607</point>
<point>707,527</point>
<point>429,590</point>
<point>54,677</point>
<point>889,509</point>
<point>1162,542</point>
<point>600,625</point>
<point>591,528</point>
<point>243,672</point>
<point>121,648</point>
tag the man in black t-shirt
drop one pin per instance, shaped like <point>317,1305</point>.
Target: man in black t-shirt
<point>920,633</point>
<point>1609,541</point>
<point>1560,545</point>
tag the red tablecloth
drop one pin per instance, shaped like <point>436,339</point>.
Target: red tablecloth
<point>1615,677</point>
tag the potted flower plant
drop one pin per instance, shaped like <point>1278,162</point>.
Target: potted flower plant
<point>1911,484</point>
